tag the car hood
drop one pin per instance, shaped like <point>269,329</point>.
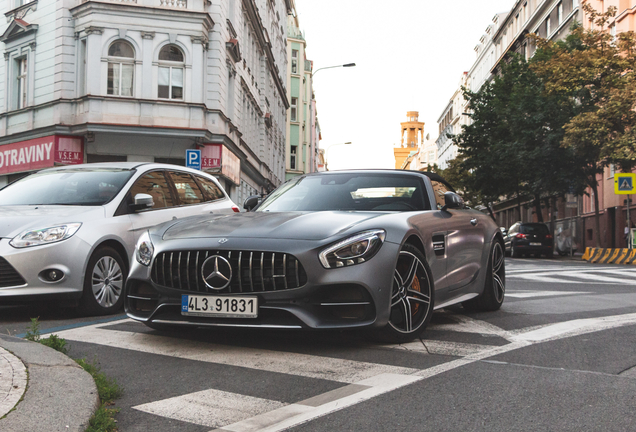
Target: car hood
<point>287,225</point>
<point>15,219</point>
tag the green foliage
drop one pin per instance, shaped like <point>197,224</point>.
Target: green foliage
<point>103,420</point>
<point>513,145</point>
<point>55,342</point>
<point>596,72</point>
<point>33,331</point>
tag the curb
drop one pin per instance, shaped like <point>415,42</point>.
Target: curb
<point>59,394</point>
<point>610,255</point>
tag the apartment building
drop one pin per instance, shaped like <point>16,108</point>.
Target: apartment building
<point>144,80</point>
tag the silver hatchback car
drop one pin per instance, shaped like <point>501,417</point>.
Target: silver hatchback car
<point>68,233</point>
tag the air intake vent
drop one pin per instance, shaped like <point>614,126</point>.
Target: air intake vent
<point>252,271</point>
<point>9,276</point>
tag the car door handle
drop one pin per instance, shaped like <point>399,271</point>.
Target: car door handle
<point>473,222</point>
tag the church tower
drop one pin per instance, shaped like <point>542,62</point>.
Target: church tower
<point>412,133</point>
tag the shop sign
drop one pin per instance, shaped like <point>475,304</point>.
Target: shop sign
<point>231,167</point>
<point>41,153</point>
<point>211,156</point>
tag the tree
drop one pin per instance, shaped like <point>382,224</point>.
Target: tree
<point>513,146</point>
<point>596,72</point>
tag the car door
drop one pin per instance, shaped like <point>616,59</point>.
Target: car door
<point>464,241</point>
<point>156,184</point>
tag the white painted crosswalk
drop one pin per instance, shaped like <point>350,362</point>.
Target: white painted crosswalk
<point>588,274</point>
<point>224,411</point>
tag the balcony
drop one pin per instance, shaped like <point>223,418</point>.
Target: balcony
<point>174,4</point>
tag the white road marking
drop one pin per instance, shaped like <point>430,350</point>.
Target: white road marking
<point>212,408</point>
<point>327,368</point>
<point>368,387</point>
<point>295,414</point>
<point>530,294</point>
<point>575,328</point>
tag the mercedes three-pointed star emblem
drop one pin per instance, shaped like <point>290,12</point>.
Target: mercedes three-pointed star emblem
<point>216,272</point>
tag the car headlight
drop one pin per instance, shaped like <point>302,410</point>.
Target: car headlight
<point>37,237</point>
<point>354,250</point>
<point>144,249</point>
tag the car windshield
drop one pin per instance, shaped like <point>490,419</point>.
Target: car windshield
<point>534,229</point>
<point>350,191</point>
<point>66,187</point>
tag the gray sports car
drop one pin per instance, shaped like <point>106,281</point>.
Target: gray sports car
<point>347,249</point>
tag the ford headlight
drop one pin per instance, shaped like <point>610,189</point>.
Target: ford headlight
<point>37,237</point>
<point>144,249</point>
<point>354,250</point>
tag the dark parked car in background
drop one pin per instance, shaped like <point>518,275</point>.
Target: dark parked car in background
<point>527,238</point>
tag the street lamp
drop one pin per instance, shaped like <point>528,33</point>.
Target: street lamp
<point>311,113</point>
<point>330,67</point>
<point>327,153</point>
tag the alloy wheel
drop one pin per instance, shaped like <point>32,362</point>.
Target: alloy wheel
<point>107,281</point>
<point>498,272</point>
<point>411,294</point>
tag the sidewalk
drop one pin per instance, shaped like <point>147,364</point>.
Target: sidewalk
<point>57,394</point>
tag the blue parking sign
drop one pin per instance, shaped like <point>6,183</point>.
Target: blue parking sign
<point>193,159</point>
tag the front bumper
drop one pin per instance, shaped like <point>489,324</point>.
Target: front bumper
<point>26,270</point>
<point>346,297</point>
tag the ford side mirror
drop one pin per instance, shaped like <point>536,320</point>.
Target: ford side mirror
<point>452,201</point>
<point>142,201</point>
<point>251,202</point>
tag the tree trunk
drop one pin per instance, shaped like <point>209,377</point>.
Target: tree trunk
<point>519,206</point>
<point>537,208</point>
<point>597,216</point>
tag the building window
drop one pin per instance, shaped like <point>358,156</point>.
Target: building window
<point>294,62</point>
<point>121,67</point>
<point>292,158</point>
<point>560,13</point>
<point>171,70</point>
<point>294,109</point>
<point>547,27</point>
<point>575,3</point>
<point>21,68</point>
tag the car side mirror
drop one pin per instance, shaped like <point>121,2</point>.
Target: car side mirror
<point>251,202</point>
<point>142,201</point>
<point>452,201</point>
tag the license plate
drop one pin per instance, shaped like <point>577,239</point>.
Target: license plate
<point>221,307</point>
<point>535,244</point>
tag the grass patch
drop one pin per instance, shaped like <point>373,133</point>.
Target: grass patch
<point>103,420</point>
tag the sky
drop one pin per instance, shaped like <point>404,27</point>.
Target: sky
<point>409,56</point>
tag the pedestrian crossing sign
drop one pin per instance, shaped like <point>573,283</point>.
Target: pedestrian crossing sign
<point>624,183</point>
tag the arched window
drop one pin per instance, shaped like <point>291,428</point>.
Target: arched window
<point>121,68</point>
<point>171,68</point>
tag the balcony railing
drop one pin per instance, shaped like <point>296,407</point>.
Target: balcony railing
<point>175,4</point>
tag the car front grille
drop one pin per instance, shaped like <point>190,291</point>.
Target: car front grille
<point>252,271</point>
<point>8,275</point>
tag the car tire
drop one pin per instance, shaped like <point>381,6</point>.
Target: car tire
<point>412,297</point>
<point>104,283</point>
<point>494,292</point>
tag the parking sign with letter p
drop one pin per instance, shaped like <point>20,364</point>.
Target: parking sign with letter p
<point>193,159</point>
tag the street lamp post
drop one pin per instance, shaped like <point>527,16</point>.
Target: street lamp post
<point>311,112</point>
<point>336,66</point>
<point>327,153</point>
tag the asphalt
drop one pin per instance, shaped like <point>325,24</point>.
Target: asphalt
<point>42,389</point>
